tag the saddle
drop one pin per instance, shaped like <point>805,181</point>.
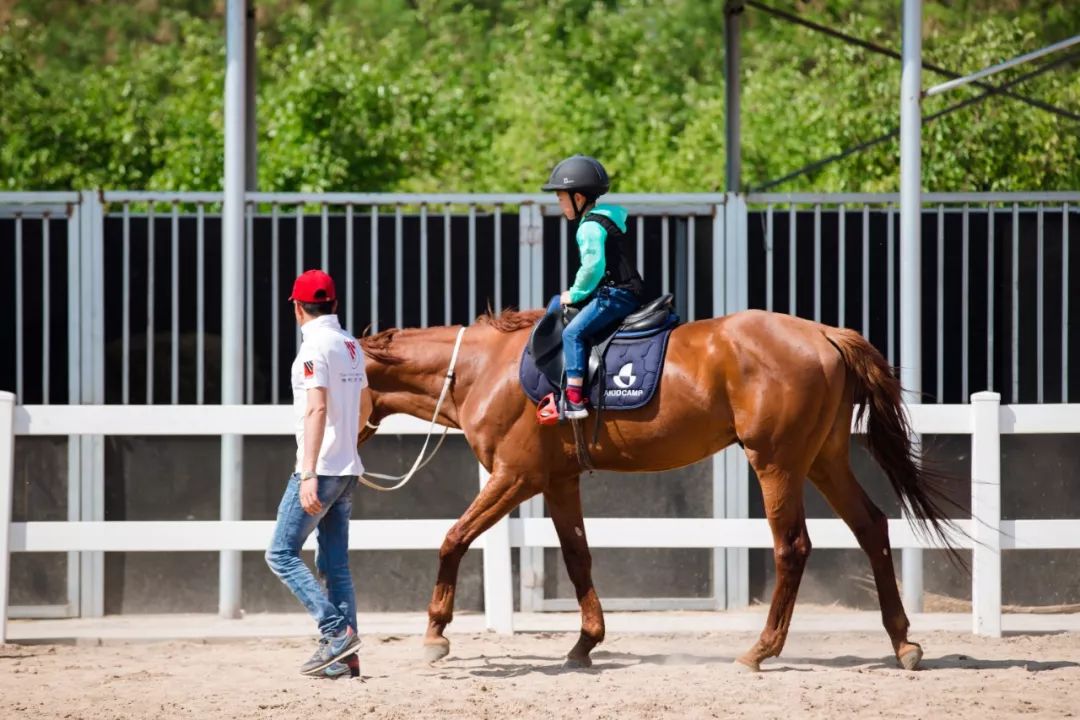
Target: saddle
<point>545,342</point>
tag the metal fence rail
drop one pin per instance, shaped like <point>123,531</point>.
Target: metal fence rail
<point>132,297</point>
<point>403,260</point>
<point>996,270</point>
<point>396,267</point>
<point>987,535</point>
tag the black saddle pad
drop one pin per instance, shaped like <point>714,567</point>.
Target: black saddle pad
<point>633,358</point>
<point>632,371</point>
<point>545,341</point>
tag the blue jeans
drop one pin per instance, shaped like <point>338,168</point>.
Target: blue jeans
<point>608,306</point>
<point>335,609</point>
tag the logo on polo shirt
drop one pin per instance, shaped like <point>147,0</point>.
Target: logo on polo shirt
<point>309,369</point>
<point>350,346</point>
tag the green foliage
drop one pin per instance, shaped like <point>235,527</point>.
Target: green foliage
<point>487,95</point>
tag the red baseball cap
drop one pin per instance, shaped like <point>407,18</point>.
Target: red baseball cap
<point>313,286</point>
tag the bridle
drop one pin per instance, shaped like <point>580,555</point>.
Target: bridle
<point>420,462</point>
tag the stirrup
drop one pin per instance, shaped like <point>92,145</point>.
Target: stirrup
<point>547,412</point>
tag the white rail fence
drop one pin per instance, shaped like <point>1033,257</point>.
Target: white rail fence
<point>984,419</point>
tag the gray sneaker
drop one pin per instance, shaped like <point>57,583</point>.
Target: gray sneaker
<point>334,670</point>
<point>349,664</point>
<point>330,650</point>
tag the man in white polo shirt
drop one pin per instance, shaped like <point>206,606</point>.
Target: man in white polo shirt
<point>332,403</point>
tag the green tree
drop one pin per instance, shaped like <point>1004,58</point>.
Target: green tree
<point>380,95</point>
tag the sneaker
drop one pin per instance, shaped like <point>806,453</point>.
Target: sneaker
<point>349,664</point>
<point>575,411</point>
<point>330,650</point>
<point>334,670</point>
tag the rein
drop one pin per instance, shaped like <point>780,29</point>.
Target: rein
<point>403,480</point>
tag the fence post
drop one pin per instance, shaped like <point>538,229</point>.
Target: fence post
<point>531,295</point>
<point>731,474</point>
<point>7,480</point>
<point>498,574</point>
<point>91,328</point>
<point>986,514</point>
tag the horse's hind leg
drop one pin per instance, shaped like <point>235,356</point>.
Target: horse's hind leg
<point>563,497</point>
<point>782,491</point>
<point>831,473</point>
<point>503,492</point>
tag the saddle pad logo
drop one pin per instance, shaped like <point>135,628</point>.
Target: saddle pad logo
<point>629,379</point>
<point>625,378</point>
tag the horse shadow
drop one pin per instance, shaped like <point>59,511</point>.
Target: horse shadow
<point>608,661</point>
<point>603,661</point>
<point>954,661</point>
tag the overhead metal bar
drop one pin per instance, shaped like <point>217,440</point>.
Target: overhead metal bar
<point>995,69</point>
<point>895,132</point>
<point>888,52</point>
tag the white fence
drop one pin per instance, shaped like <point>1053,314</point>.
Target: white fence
<point>984,419</point>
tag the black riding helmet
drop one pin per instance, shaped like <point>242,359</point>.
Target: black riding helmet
<point>579,174</point>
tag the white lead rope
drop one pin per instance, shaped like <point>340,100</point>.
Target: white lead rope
<point>402,480</point>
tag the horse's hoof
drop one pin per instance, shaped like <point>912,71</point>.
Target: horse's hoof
<point>436,651</point>
<point>577,662</point>
<point>745,664</point>
<point>911,658</point>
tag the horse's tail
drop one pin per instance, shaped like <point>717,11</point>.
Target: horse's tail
<point>921,489</point>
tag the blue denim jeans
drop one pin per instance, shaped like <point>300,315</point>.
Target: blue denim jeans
<point>335,609</point>
<point>608,306</point>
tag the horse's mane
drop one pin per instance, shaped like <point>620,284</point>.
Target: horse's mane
<point>509,321</point>
<point>377,347</point>
<point>380,345</point>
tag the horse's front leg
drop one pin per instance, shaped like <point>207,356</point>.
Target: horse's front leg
<point>503,492</point>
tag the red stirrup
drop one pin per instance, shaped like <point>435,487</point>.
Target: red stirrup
<point>547,412</point>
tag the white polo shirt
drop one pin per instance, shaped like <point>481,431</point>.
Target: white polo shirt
<point>330,358</point>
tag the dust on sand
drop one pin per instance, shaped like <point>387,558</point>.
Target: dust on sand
<point>486,676</point>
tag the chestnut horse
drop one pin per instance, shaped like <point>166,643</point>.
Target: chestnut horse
<point>782,386</point>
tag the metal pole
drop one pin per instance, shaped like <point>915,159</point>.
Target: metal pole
<point>995,69</point>
<point>530,278</point>
<point>251,161</point>
<point>232,293</point>
<point>7,480</point>
<point>91,322</point>
<point>74,345</point>
<point>725,562</point>
<point>911,250</point>
<point>681,276</point>
<point>732,56</point>
<point>719,460</point>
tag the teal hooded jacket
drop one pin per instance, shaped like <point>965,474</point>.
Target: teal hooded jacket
<point>591,237</point>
